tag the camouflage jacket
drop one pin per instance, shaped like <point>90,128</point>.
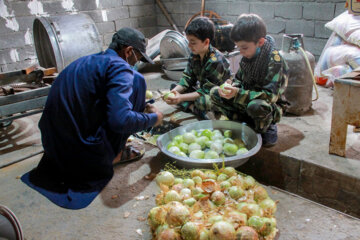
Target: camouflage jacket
<point>214,70</point>
<point>274,85</point>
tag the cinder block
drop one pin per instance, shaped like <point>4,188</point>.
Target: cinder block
<point>191,7</point>
<point>321,31</point>
<point>96,15</point>
<point>219,7</point>
<point>25,22</point>
<point>160,29</point>
<point>264,10</point>
<point>178,19</point>
<point>300,26</point>
<point>107,38</point>
<point>278,40</point>
<point>27,53</point>
<point>141,11</point>
<point>232,18</point>
<point>12,40</point>
<point>182,19</point>
<point>20,8</point>
<point>289,10</point>
<point>275,26</point>
<point>339,9</point>
<point>106,27</point>
<point>18,65</point>
<point>53,7</point>
<point>148,32</point>
<point>3,28</point>
<point>314,45</point>
<point>106,4</point>
<point>147,22</point>
<point>237,8</point>
<point>319,11</point>
<point>137,2</point>
<point>117,13</point>
<point>5,56</point>
<point>85,5</point>
<point>128,22</point>
<point>161,20</point>
<point>172,7</point>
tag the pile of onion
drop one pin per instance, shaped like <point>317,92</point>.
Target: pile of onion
<point>212,205</point>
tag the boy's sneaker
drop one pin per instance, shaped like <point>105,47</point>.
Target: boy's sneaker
<point>269,138</point>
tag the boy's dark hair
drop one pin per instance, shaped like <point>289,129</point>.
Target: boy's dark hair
<point>249,28</point>
<point>202,28</point>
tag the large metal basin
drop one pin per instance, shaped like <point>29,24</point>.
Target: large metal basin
<point>251,139</point>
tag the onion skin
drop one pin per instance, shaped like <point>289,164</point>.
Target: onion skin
<point>156,217</point>
<point>246,233</point>
<point>169,234</point>
<point>177,214</point>
<point>260,194</point>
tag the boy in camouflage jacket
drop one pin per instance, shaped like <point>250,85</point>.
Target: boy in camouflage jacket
<point>207,67</point>
<point>255,96</point>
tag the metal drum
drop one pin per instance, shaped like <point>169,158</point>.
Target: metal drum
<point>59,40</point>
<point>152,48</point>
<point>174,45</point>
<point>251,139</point>
<point>300,83</point>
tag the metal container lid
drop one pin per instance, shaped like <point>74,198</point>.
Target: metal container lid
<point>174,45</point>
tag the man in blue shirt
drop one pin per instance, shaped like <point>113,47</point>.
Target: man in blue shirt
<point>93,106</point>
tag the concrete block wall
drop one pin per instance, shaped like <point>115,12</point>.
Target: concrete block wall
<point>17,49</point>
<point>294,16</point>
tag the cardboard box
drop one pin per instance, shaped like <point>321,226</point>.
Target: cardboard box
<point>353,6</point>
<point>354,75</point>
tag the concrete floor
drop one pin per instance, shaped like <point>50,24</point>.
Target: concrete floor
<point>297,217</point>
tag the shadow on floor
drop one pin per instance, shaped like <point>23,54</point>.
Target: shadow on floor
<point>20,134</point>
<point>119,192</point>
<point>288,137</point>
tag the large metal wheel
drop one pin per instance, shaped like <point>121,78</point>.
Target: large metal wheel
<point>207,13</point>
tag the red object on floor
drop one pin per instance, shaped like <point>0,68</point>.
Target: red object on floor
<point>321,80</point>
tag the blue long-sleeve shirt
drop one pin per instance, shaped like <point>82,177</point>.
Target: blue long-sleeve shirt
<point>94,97</point>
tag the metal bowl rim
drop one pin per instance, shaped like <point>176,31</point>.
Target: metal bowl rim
<point>188,160</point>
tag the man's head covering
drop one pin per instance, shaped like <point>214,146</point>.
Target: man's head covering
<point>131,37</point>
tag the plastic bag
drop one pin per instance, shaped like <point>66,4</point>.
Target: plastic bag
<point>335,72</point>
<point>346,26</point>
<point>340,55</point>
<point>334,40</point>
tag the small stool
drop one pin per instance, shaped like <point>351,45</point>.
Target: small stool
<point>346,110</point>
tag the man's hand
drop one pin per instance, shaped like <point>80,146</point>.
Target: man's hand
<point>149,108</point>
<point>175,99</point>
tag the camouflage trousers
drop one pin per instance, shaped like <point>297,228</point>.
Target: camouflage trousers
<point>257,113</point>
<point>202,105</point>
